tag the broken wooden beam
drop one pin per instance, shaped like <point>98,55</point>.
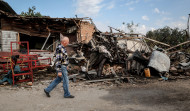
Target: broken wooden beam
<point>178,45</point>
<point>156,41</point>
<point>100,80</point>
<point>113,79</point>
<point>144,38</point>
<point>73,76</point>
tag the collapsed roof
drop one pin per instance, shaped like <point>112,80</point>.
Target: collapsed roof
<point>4,6</point>
<point>37,26</point>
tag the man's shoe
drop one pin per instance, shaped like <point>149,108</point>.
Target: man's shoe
<point>47,94</point>
<point>71,96</point>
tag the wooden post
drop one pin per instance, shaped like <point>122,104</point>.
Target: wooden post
<point>54,44</point>
<point>18,40</point>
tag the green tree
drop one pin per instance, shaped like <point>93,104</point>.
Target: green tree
<point>131,26</point>
<point>31,12</point>
<point>171,36</point>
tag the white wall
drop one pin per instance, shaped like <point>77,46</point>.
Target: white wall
<point>6,37</point>
<point>133,45</point>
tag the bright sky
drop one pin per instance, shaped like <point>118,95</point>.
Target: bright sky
<point>149,14</point>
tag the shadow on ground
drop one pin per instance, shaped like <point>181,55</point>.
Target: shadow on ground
<point>158,97</point>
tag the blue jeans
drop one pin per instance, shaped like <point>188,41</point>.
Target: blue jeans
<point>58,80</point>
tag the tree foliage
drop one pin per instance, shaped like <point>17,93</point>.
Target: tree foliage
<point>31,12</point>
<point>131,26</point>
<point>168,35</point>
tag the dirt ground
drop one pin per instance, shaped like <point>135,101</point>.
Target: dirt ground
<point>151,96</point>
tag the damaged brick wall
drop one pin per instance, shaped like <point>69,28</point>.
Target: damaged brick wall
<point>87,30</point>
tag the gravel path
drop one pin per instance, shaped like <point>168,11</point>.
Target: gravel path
<point>153,96</point>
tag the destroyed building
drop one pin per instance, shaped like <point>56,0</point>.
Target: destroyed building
<point>92,53</point>
<point>41,32</point>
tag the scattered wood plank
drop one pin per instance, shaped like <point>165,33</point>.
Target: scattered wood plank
<point>144,38</point>
<point>156,41</point>
<point>178,45</point>
<point>100,80</point>
<point>113,79</point>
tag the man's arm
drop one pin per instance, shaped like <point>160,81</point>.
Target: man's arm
<point>59,57</point>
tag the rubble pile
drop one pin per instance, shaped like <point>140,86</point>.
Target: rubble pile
<point>93,55</point>
<point>180,64</point>
<point>110,55</point>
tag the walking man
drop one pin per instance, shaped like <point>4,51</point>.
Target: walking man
<point>61,68</point>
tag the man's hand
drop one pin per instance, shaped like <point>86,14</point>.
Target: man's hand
<point>59,74</point>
